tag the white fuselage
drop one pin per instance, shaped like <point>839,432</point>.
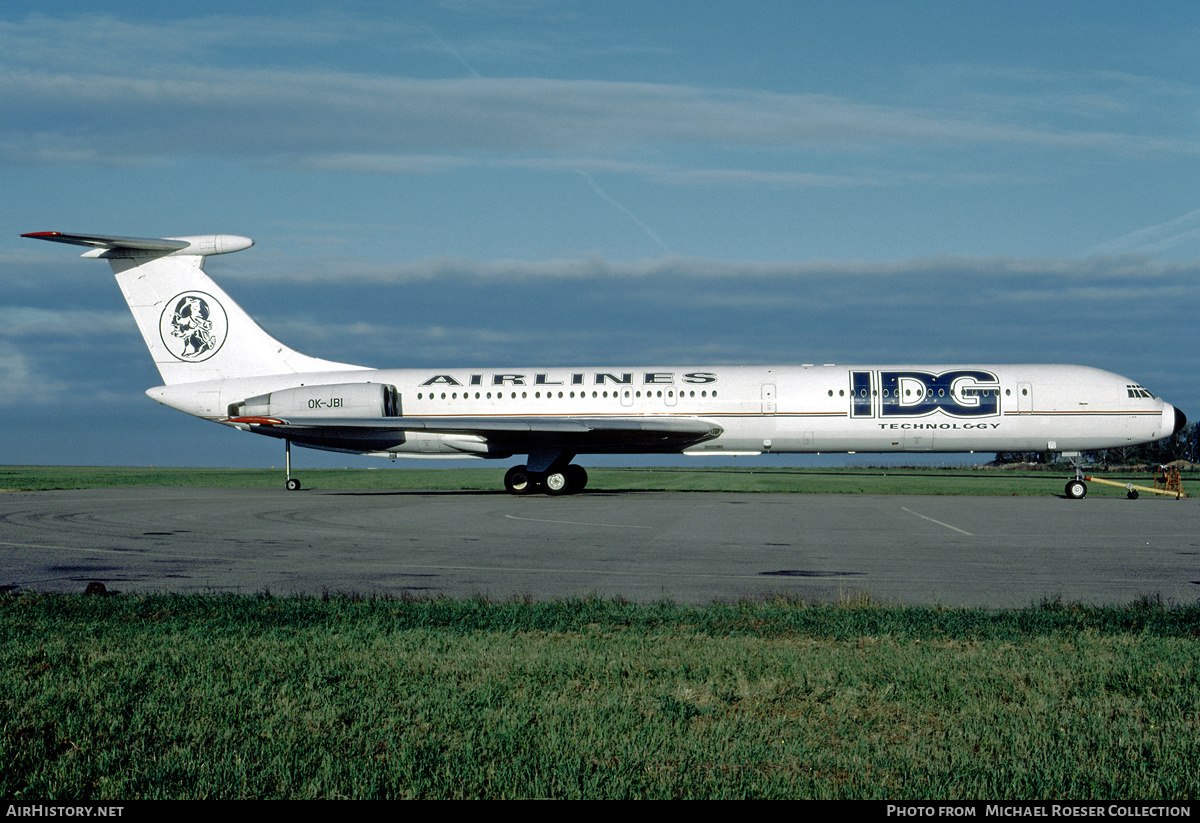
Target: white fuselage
<point>761,409</point>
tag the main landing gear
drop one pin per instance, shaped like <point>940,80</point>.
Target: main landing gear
<point>553,476</point>
<point>548,471</point>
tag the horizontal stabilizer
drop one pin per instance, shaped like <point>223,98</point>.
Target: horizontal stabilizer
<point>102,242</point>
<point>107,246</point>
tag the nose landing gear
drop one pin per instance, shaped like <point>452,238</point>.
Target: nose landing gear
<point>1076,489</point>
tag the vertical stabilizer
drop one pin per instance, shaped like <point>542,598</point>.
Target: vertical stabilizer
<point>193,329</point>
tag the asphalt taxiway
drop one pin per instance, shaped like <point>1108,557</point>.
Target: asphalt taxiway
<point>995,552</point>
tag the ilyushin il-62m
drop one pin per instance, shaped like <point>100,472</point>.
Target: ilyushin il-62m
<point>218,364</point>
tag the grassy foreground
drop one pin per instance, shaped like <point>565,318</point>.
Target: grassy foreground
<point>898,480</point>
<point>125,697</point>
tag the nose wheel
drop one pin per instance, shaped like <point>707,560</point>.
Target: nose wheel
<point>291,484</point>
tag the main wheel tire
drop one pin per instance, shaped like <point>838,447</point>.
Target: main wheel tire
<point>293,484</point>
<point>519,480</point>
<point>557,483</point>
<point>576,478</point>
<point>1076,489</point>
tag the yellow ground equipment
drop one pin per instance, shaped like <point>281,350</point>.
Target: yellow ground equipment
<point>1166,481</point>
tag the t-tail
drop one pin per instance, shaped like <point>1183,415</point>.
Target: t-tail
<point>193,329</point>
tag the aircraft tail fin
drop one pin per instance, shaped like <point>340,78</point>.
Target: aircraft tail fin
<point>193,329</point>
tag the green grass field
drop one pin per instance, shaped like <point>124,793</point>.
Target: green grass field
<point>897,480</point>
<point>122,697</point>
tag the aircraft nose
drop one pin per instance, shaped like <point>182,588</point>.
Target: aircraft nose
<point>1180,421</point>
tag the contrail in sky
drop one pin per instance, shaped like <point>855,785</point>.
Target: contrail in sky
<point>452,52</point>
<point>595,186</point>
<point>1154,238</point>
<point>605,197</point>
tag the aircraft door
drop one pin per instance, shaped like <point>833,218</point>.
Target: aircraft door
<point>920,441</point>
<point>1024,398</point>
<point>210,402</point>
<point>768,398</point>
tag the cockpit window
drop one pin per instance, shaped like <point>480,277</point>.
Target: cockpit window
<point>1135,390</point>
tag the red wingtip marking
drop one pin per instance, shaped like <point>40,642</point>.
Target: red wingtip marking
<point>43,234</point>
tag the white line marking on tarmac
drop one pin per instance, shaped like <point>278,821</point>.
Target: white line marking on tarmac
<point>125,552</point>
<point>575,523</point>
<point>939,522</point>
<point>637,573</point>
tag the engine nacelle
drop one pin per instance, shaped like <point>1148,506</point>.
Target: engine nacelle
<point>360,400</point>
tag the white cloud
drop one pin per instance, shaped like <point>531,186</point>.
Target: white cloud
<point>22,383</point>
<point>173,90</point>
<point>23,321</point>
<point>994,271</point>
<point>268,113</point>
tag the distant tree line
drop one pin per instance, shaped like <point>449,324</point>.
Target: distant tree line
<point>1183,445</point>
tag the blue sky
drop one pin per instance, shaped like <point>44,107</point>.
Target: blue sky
<point>537,183</point>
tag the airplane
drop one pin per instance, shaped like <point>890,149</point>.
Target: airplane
<point>218,364</point>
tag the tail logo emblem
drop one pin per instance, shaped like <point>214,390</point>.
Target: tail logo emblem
<point>193,326</point>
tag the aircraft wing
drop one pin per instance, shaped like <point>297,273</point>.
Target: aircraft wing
<point>518,433</point>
